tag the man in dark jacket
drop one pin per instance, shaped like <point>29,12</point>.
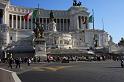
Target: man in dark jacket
<point>10,61</point>
<point>17,61</point>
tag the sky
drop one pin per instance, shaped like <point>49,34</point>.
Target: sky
<point>110,11</point>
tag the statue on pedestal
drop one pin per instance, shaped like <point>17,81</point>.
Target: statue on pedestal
<point>51,15</point>
<point>52,24</point>
<point>38,31</point>
<point>79,4</point>
<point>76,4</point>
<point>95,39</point>
<point>39,40</point>
<point>110,38</point>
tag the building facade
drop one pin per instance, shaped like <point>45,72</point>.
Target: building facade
<point>71,31</point>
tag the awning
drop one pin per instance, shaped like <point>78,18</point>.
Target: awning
<point>21,49</point>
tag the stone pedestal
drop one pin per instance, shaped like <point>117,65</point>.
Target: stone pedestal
<point>40,49</point>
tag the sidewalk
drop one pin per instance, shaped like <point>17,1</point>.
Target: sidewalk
<point>22,69</point>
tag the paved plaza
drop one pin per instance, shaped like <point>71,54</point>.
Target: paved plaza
<point>102,71</point>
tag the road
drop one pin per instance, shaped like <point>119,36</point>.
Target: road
<point>103,71</point>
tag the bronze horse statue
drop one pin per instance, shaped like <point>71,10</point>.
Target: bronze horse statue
<point>38,31</point>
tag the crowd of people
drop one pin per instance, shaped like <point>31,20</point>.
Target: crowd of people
<point>64,59</point>
<point>75,58</point>
<point>18,61</point>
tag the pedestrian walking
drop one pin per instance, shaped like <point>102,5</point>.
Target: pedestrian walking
<point>29,62</point>
<point>10,61</point>
<point>17,62</point>
<point>122,63</point>
<point>0,61</point>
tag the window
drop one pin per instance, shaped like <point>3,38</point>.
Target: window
<point>10,37</point>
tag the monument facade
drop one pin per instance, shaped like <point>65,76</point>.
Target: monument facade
<point>62,29</point>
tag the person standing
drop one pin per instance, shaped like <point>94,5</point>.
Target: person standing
<point>17,61</point>
<point>122,63</point>
<point>10,61</point>
<point>29,61</point>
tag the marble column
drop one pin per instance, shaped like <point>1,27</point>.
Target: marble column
<point>46,23</point>
<point>76,23</point>
<point>20,21</point>
<point>24,23</point>
<point>28,24</point>
<point>16,21</point>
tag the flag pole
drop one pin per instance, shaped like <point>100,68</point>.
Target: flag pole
<point>103,24</point>
<point>38,14</point>
<point>93,30</point>
<point>93,20</point>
